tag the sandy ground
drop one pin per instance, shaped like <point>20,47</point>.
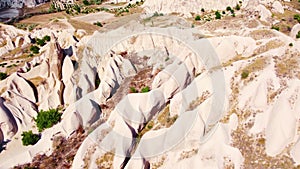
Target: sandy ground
<point>94,17</point>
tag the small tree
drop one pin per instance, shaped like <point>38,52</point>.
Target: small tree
<point>40,42</point>
<point>218,15</point>
<point>34,49</point>
<point>197,18</point>
<point>28,138</point>
<point>85,2</point>
<point>202,10</point>
<point>46,119</point>
<point>228,8</point>
<point>46,38</point>
<point>237,7</point>
<point>3,76</point>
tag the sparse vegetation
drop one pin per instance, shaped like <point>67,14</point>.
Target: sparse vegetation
<point>63,153</point>
<point>25,26</point>
<point>46,119</point>
<point>245,74</point>
<point>28,138</point>
<point>106,161</point>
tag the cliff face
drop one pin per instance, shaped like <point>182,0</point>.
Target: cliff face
<point>20,3</point>
<point>158,92</point>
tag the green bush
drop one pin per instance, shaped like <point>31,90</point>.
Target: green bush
<point>145,89</point>
<point>46,38</point>
<point>3,76</point>
<point>237,7</point>
<point>77,8</point>
<point>133,90</point>
<point>218,15</point>
<point>291,44</point>
<point>245,74</point>
<point>40,42</point>
<point>202,10</point>
<point>275,27</point>
<point>28,138</point>
<point>98,24</point>
<point>85,2</point>
<point>297,17</point>
<point>46,119</point>
<point>34,49</point>
<point>228,8</point>
<point>298,35</point>
<point>197,18</point>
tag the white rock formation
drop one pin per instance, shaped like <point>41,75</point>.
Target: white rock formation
<point>295,30</point>
<point>277,7</point>
<point>264,13</point>
<point>8,123</point>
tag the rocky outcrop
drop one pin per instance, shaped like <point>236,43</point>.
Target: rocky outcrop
<point>51,92</point>
<point>20,3</point>
<point>21,86</point>
<point>69,94</point>
<point>277,7</point>
<point>8,123</point>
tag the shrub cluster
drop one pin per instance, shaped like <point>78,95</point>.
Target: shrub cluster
<point>46,119</point>
<point>28,138</point>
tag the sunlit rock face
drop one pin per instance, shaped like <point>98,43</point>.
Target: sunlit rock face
<point>20,3</point>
